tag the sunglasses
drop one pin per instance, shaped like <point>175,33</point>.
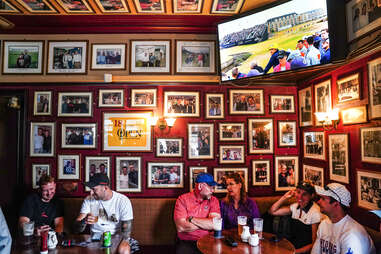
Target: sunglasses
<point>329,189</point>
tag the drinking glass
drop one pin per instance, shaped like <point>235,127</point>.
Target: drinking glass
<point>242,221</point>
<point>258,227</point>
<point>94,210</point>
<point>217,226</point>
<point>28,228</point>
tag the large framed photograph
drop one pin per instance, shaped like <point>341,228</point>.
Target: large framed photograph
<point>282,104</point>
<point>261,172</point>
<point>286,172</point>
<point>111,98</point>
<point>374,70</point>
<point>68,167</point>
<point>97,164</point>
<point>349,88</point>
<point>67,57</point>
<point>243,102</point>
<point>354,115</point>
<point>314,175</point>
<point>200,141</point>
<point>42,103</point>
<point>108,56</point>
<point>231,131</point>
<point>150,57</point>
<point>39,170</point>
<point>169,147</point>
<point>165,175</point>
<point>323,98</point>
<point>261,135</point>
<point>338,157</point>
<point>152,6</point>
<point>314,145</point>
<point>186,6</point>
<point>195,57</point>
<point>181,104</point>
<point>305,107</point>
<point>226,7</point>
<point>232,154</point>
<point>127,132</point>
<point>286,133</point>
<point>38,6</point>
<point>221,174</point>
<point>75,104</point>
<point>79,135</point>
<point>369,189</point>
<point>23,57</point>
<point>128,174</point>
<point>370,144</point>
<point>193,173</point>
<point>42,139</point>
<point>113,6</point>
<point>144,98</point>
<point>215,106</point>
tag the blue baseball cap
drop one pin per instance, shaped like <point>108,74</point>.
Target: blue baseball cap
<point>205,178</point>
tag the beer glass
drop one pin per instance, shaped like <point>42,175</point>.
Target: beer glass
<point>217,226</point>
<point>94,210</point>
<point>242,221</point>
<point>28,228</point>
<point>258,227</point>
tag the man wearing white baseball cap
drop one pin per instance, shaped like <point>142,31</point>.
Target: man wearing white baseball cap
<point>339,233</point>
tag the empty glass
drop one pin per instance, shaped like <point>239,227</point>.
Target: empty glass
<point>28,228</point>
<point>258,226</point>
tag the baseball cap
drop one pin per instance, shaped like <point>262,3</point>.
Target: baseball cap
<point>281,54</point>
<point>205,178</point>
<point>273,46</point>
<point>336,191</point>
<point>306,186</point>
<point>97,179</point>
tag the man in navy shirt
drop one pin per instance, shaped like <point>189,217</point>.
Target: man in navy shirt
<point>273,61</point>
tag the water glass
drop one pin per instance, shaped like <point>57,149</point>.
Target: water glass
<point>258,226</point>
<point>217,226</point>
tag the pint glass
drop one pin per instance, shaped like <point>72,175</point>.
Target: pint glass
<point>242,221</point>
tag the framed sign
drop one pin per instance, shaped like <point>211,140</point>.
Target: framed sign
<point>261,172</point>
<point>314,175</point>
<point>374,72</point>
<point>286,172</point>
<point>261,135</point>
<point>128,174</point>
<point>305,107</point>
<point>370,144</point>
<point>165,175</point>
<point>338,157</point>
<point>368,189</point>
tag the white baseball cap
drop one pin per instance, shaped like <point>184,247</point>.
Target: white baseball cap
<point>336,191</point>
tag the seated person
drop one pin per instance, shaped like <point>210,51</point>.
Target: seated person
<point>236,74</point>
<point>283,64</point>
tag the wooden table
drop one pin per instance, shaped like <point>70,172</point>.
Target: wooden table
<point>209,245</point>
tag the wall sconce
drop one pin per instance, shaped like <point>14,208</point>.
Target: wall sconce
<point>328,118</point>
<point>162,123</point>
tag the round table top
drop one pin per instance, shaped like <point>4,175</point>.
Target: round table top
<point>210,245</point>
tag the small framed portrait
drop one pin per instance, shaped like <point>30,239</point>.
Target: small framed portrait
<point>37,6</point>
<point>348,88</point>
<point>108,56</point>
<point>368,189</point>
<point>323,97</point>
<point>286,172</point>
<point>169,147</point>
<point>243,102</point>
<point>128,174</point>
<point>282,104</point>
<point>261,172</point>
<point>231,131</point>
<point>185,6</point>
<point>232,154</point>
<point>75,104</point>
<point>226,7</point>
<point>193,173</point>
<point>286,133</point>
<point>68,167</point>
<point>221,174</point>
<point>165,175</point>
<point>111,98</point>
<point>152,6</point>
<point>113,6</point>
<point>67,57</point>
<point>314,175</point>
<point>200,141</point>
<point>305,107</point>
<point>42,139</point>
<point>42,103</point>
<point>39,170</point>
<point>150,56</point>
<point>144,98</point>
<point>23,57</point>
<point>338,157</point>
<point>370,144</point>
<point>215,105</point>
<point>261,135</point>
<point>97,164</point>
<point>181,104</point>
<point>314,145</point>
<point>354,115</point>
<point>374,72</point>
<point>195,57</point>
<point>6,7</point>
<point>79,135</point>
<point>77,6</point>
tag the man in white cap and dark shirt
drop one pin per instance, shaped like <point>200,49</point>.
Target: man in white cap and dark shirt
<point>339,233</point>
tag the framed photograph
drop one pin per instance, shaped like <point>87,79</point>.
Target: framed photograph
<point>354,115</point>
<point>152,6</point>
<point>42,139</point>
<point>108,56</point>
<point>169,147</point>
<point>243,102</point>
<point>220,175</point>
<point>195,57</point>
<point>150,56</point>
<point>323,98</point>
<point>282,104</point>
<point>165,175</point>
<point>68,167</point>
<point>75,104</point>
<point>23,57</point>
<point>370,144</point>
<point>362,18</point>
<point>368,189</point>
<point>305,107</point>
<point>111,98</point>
<point>232,154</point>
<point>77,6</point>
<point>348,88</point>
<point>215,105</point>
<point>193,173</point>
<point>37,6</point>
<point>200,141</point>
<point>338,157</point>
<point>97,164</point>
<point>226,7</point>
<point>127,132</point>
<point>374,70</point>
<point>129,174</point>
<point>231,131</point>
<point>314,145</point>
<point>6,7</point>
<point>42,103</point>
<point>39,170</point>
<point>286,172</point>
<point>113,6</point>
<point>79,135</point>
<point>142,98</point>
<point>186,6</point>
<point>314,175</point>
<point>261,172</point>
<point>67,57</point>
<point>181,104</point>
<point>286,133</point>
<point>261,135</point>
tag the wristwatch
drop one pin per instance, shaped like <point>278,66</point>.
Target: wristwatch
<point>190,219</point>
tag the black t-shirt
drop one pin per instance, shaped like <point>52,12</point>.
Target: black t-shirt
<point>42,213</point>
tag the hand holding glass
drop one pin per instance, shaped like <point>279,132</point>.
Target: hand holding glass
<point>258,226</point>
<point>242,221</point>
<point>28,228</point>
<point>92,217</point>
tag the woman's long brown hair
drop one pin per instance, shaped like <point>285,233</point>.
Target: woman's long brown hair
<point>237,178</point>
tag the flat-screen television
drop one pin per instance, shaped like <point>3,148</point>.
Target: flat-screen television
<point>292,35</point>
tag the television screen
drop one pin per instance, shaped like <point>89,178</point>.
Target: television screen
<point>288,36</point>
